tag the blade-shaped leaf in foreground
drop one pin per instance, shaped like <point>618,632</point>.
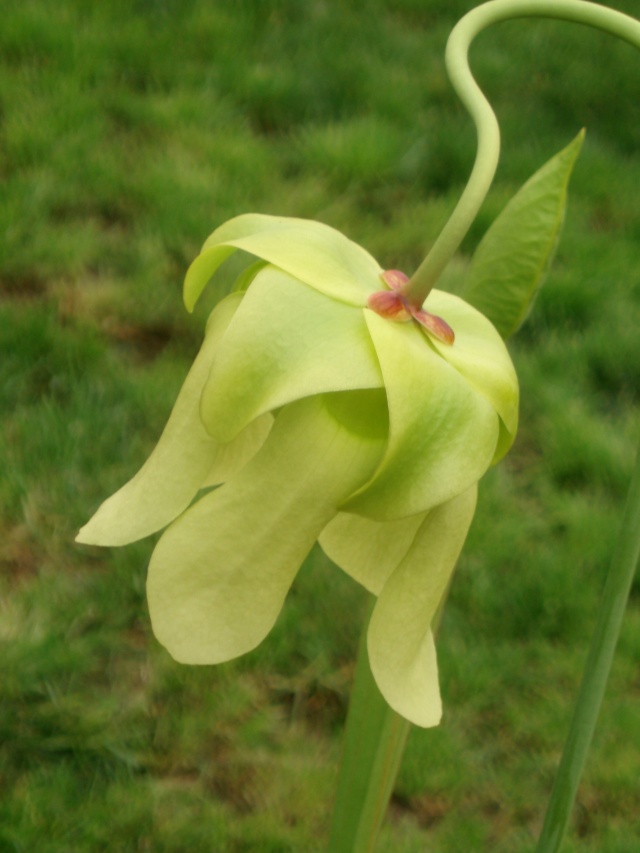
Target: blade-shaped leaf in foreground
<point>510,264</point>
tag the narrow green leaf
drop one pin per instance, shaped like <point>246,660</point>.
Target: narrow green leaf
<point>510,264</point>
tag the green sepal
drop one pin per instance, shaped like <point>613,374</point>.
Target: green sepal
<point>442,432</point>
<point>310,251</point>
<point>511,263</point>
<point>286,341</point>
<point>479,355</point>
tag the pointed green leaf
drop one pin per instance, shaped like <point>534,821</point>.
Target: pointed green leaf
<point>480,355</point>
<point>310,251</point>
<point>219,574</point>
<point>367,550</point>
<point>177,467</point>
<point>286,341</point>
<point>400,642</point>
<point>510,264</point>
<point>442,433</point>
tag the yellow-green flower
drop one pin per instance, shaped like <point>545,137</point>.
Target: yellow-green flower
<point>318,419</point>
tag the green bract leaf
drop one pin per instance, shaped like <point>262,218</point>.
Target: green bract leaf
<point>510,264</point>
<point>219,574</point>
<point>400,642</point>
<point>177,467</point>
<point>285,342</point>
<point>312,252</point>
<point>442,433</point>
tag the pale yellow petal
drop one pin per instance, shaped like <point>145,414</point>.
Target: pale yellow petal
<point>442,432</point>
<point>399,640</point>
<point>368,550</point>
<point>286,341</point>
<point>177,467</point>
<point>233,456</point>
<point>310,251</point>
<point>479,354</point>
<point>220,573</point>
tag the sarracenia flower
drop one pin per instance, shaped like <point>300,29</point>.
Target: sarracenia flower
<point>317,417</point>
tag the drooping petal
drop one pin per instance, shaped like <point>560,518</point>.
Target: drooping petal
<point>233,456</point>
<point>178,465</point>
<point>247,275</point>
<point>442,433</point>
<point>285,342</point>
<point>479,354</point>
<point>399,640</point>
<point>368,550</point>
<point>219,574</point>
<point>310,251</point>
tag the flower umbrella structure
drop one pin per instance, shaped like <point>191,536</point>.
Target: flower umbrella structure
<point>319,411</point>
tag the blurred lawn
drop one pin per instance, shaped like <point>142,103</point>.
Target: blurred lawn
<point>128,131</point>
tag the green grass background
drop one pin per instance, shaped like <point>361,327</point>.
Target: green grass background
<point>128,131</point>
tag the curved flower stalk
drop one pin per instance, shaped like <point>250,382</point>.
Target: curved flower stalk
<point>317,418</point>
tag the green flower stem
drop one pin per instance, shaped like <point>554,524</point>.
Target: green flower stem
<point>596,673</point>
<point>374,742</point>
<point>447,243</point>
